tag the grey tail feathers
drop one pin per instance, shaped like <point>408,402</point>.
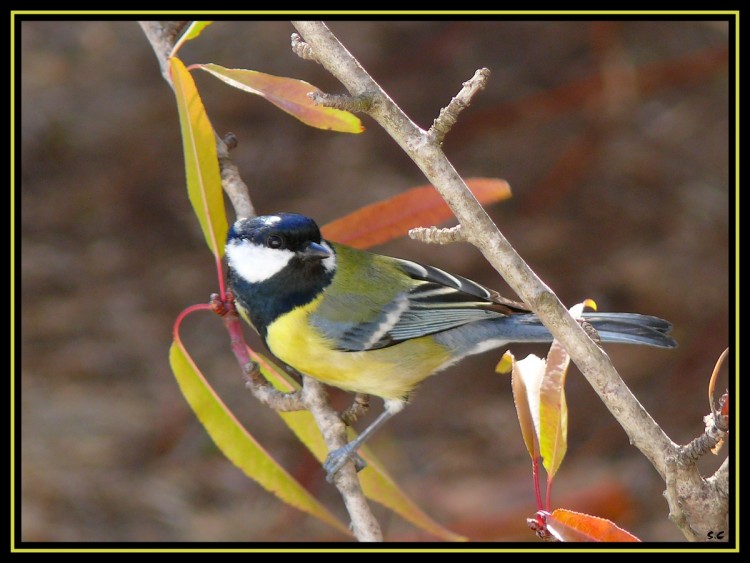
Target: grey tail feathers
<point>632,328</point>
<point>623,328</point>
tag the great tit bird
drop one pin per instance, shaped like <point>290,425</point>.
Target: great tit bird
<point>374,324</point>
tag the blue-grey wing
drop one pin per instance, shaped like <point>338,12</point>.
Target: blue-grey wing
<point>437,301</point>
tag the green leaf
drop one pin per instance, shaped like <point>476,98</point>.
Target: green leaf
<point>193,30</point>
<point>201,161</point>
<point>288,94</point>
<point>376,483</point>
<point>235,442</point>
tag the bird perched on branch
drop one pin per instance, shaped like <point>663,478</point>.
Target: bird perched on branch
<point>374,324</point>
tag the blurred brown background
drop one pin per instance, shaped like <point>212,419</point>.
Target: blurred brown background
<point>614,137</point>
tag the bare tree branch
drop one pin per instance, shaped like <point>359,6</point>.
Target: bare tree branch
<point>423,147</point>
<point>479,229</point>
<point>697,505</point>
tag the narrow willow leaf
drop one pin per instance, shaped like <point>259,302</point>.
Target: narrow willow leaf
<point>417,207</point>
<point>235,442</point>
<point>193,30</point>
<point>301,423</point>
<point>288,94</point>
<point>376,483</point>
<point>553,408</point>
<point>201,161</point>
<point>569,526</point>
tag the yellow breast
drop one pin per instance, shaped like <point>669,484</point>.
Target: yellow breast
<point>390,372</point>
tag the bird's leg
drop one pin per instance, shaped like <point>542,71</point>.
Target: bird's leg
<point>338,458</point>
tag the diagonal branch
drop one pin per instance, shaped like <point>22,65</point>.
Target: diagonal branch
<point>423,147</point>
<point>479,229</point>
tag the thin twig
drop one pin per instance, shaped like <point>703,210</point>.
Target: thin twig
<point>267,394</point>
<point>436,235</point>
<point>363,523</point>
<point>232,182</point>
<point>359,408</point>
<point>449,114</point>
<point>302,49</point>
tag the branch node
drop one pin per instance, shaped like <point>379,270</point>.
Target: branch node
<point>230,140</point>
<point>358,408</point>
<point>449,114</point>
<point>267,394</point>
<point>302,49</point>
<point>435,235</point>
<point>709,441</point>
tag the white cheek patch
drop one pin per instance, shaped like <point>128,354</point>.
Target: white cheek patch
<point>329,263</point>
<point>256,263</point>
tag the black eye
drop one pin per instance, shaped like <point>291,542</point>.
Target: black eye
<point>275,241</point>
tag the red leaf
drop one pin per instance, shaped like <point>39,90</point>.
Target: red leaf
<point>418,207</point>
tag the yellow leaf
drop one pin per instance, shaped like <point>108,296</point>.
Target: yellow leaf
<point>288,94</point>
<point>378,485</point>
<point>235,442</point>
<point>505,365</point>
<point>553,410</point>
<point>201,161</point>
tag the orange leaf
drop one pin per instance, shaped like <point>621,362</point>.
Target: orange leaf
<point>421,206</point>
<point>288,94</point>
<point>569,526</point>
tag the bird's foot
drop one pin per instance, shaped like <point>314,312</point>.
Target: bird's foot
<point>338,458</point>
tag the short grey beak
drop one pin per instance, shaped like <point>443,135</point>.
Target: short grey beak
<point>313,250</point>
